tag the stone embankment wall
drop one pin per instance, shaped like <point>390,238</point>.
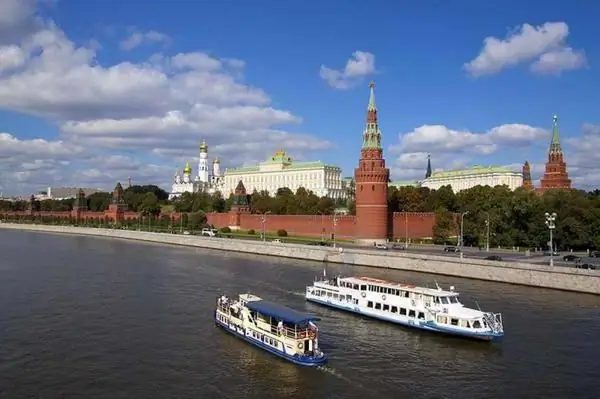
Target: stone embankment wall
<point>561,278</point>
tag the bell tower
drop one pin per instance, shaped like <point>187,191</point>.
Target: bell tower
<point>371,177</point>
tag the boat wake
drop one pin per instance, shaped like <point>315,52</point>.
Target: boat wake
<point>331,371</point>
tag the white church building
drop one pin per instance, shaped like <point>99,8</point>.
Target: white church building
<point>206,180</point>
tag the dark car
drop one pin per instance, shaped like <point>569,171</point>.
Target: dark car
<point>571,258</point>
<point>493,257</point>
<point>589,266</point>
<point>595,254</point>
<point>399,247</point>
<point>451,248</point>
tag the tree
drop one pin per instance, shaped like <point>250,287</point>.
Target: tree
<point>149,204</point>
<point>197,220</point>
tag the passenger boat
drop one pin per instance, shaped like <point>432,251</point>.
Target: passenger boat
<point>432,309</point>
<point>276,329</point>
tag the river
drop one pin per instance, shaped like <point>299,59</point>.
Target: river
<point>86,317</point>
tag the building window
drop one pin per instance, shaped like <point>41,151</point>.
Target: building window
<point>373,187</point>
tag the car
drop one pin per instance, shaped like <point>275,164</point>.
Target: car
<point>209,232</point>
<point>493,257</point>
<point>381,246</point>
<point>589,266</point>
<point>595,254</point>
<point>399,247</point>
<point>451,248</point>
<point>571,258</point>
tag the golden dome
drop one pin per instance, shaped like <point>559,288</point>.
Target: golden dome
<point>216,160</point>
<point>203,146</point>
<point>188,169</point>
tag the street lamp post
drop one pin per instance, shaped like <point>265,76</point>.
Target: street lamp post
<point>264,224</point>
<point>405,230</point>
<point>550,222</point>
<point>335,220</point>
<point>487,233</point>
<point>462,232</point>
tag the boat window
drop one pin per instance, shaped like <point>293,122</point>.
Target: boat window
<point>370,287</point>
<point>363,287</point>
<point>444,300</point>
<point>394,309</point>
<point>348,298</point>
<point>342,284</point>
<point>397,293</point>
<point>454,322</point>
<point>436,300</point>
<point>335,296</point>
<point>421,316</point>
<point>403,311</point>
<point>386,308</point>
<point>329,294</point>
<point>411,313</point>
<point>370,304</point>
<point>453,299</point>
<point>476,324</point>
<point>442,319</point>
<point>468,324</point>
<point>355,286</point>
<point>377,306</point>
<point>355,301</point>
<point>406,294</point>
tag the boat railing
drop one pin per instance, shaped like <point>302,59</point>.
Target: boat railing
<point>299,333</point>
<point>494,321</point>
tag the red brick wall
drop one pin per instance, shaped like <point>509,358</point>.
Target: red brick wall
<point>420,225</point>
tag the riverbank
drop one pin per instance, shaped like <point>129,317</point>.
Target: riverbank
<point>561,278</point>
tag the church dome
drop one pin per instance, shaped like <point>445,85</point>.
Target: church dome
<point>216,160</point>
<point>188,169</point>
<point>203,147</point>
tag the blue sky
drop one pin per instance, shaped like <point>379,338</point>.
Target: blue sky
<point>92,92</point>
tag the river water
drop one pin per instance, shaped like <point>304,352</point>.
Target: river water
<point>84,317</point>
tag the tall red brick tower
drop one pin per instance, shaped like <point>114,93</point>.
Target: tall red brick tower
<point>527,182</point>
<point>371,178</point>
<point>555,175</point>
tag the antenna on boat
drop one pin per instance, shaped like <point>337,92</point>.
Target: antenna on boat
<point>437,285</point>
<point>478,307</point>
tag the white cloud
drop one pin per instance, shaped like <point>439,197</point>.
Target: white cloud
<point>546,43</point>
<point>583,158</point>
<point>360,65</point>
<point>452,149</point>
<point>150,110</point>
<point>137,38</point>
<point>555,62</point>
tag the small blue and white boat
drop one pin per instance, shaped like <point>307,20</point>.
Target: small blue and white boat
<point>431,309</point>
<point>274,328</point>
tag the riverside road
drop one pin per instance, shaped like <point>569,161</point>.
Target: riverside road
<point>87,317</point>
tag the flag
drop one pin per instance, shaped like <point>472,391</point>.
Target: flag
<point>313,326</point>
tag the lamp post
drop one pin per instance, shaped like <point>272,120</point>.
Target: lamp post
<point>322,227</point>
<point>487,233</point>
<point>550,222</point>
<point>335,220</point>
<point>405,230</point>
<point>264,224</point>
<point>462,232</point>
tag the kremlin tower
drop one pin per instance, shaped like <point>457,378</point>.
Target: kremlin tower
<point>371,178</point>
<point>555,174</point>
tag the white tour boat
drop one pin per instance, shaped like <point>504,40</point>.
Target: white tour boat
<point>276,329</point>
<point>431,309</point>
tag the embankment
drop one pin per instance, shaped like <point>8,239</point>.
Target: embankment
<point>561,278</point>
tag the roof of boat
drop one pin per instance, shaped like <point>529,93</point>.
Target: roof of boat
<point>404,286</point>
<point>280,312</point>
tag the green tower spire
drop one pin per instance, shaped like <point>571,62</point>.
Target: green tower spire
<point>372,134</point>
<point>428,173</point>
<point>555,144</point>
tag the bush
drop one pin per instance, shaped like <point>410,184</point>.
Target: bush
<point>225,230</point>
<point>281,233</point>
<point>251,232</point>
